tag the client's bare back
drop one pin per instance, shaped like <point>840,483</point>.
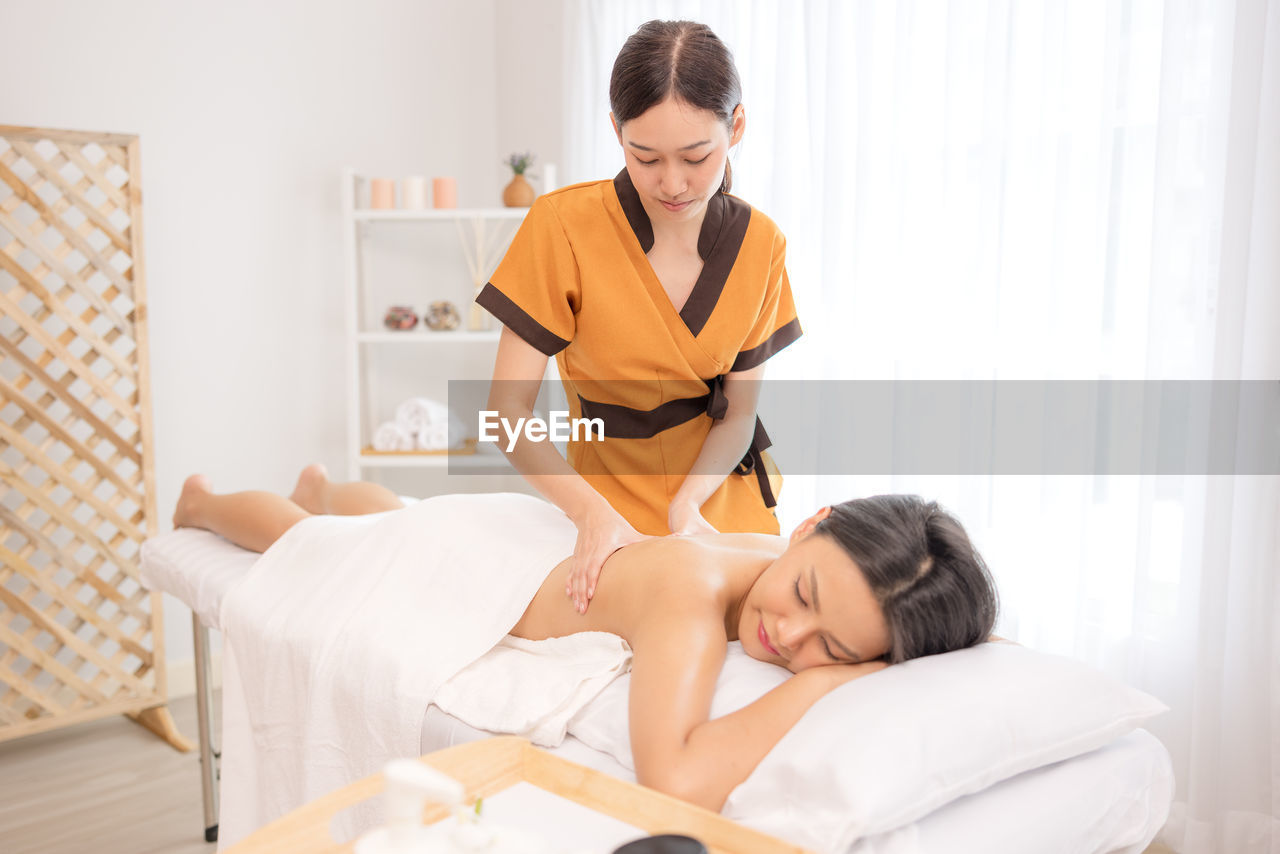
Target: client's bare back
<point>649,575</point>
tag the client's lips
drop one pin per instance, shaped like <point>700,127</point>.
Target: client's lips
<point>764,639</point>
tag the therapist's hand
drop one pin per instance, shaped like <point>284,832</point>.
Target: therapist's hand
<point>685,518</point>
<point>601,532</point>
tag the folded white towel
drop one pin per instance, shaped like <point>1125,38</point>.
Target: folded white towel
<point>534,688</point>
<point>392,437</point>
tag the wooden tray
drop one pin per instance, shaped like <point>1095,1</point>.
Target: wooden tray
<point>487,767</point>
<point>466,450</point>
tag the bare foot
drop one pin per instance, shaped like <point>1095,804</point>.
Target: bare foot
<point>196,487</point>
<point>309,491</point>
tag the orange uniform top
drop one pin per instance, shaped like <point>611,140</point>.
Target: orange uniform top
<point>576,284</point>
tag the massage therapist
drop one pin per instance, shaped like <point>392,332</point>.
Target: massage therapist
<point>661,297</point>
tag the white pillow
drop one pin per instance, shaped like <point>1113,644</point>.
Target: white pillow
<point>603,723</point>
<point>884,750</point>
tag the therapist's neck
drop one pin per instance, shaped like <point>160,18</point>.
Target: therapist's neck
<point>679,232</point>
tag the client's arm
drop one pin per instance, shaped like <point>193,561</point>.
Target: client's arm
<point>677,659</point>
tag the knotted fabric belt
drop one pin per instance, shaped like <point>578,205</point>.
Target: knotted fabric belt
<point>623,422</point>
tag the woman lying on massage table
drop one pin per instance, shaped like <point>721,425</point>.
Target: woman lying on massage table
<point>856,587</point>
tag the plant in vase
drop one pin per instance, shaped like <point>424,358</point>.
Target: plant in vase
<point>519,193</point>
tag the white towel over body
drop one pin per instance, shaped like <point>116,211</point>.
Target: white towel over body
<point>343,632</point>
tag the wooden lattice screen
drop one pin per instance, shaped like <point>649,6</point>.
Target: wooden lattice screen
<point>79,636</point>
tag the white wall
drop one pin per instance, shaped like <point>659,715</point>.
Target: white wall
<point>532,81</point>
<point>247,112</point>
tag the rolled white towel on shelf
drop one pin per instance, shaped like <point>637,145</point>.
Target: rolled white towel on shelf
<point>434,437</point>
<point>433,425</point>
<point>418,412</point>
<point>392,437</point>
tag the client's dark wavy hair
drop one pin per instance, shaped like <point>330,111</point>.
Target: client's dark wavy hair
<point>934,588</point>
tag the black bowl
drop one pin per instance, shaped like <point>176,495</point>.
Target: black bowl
<point>668,843</point>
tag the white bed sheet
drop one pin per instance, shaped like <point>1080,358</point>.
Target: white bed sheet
<point>1110,801</point>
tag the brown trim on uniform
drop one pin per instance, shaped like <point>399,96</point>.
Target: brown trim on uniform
<point>629,198</point>
<point>724,227</point>
<point>782,336</point>
<point>754,461</point>
<point>624,422</point>
<point>518,321</point>
<point>723,230</point>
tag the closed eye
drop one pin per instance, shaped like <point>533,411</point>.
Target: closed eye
<point>826,647</point>
<point>655,160</point>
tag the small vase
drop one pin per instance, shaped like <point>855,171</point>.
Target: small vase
<point>518,194</point>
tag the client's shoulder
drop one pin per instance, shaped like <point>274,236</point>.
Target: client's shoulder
<point>673,551</point>
<point>689,568</point>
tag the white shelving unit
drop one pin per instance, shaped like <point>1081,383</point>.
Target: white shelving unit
<point>456,336</point>
<point>483,235</point>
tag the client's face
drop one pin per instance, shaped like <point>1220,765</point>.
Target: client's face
<point>812,607</point>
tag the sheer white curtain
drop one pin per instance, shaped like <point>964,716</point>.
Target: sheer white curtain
<point>1039,189</point>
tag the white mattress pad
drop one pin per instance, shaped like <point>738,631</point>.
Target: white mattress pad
<point>197,567</point>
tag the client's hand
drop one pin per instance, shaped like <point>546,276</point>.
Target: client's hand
<point>600,533</point>
<point>685,518</point>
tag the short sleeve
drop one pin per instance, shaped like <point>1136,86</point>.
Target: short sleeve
<point>535,290</point>
<point>776,325</point>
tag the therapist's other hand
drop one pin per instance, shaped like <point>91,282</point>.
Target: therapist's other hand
<point>685,518</point>
<point>600,533</point>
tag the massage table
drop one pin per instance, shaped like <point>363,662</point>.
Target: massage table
<point>1112,800</point>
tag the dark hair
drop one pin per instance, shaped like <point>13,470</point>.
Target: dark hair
<point>675,58</point>
<point>934,588</point>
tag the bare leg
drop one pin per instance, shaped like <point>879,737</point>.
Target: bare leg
<point>316,494</point>
<point>252,520</point>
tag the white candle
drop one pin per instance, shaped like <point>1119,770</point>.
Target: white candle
<point>414,195</point>
<point>549,178</point>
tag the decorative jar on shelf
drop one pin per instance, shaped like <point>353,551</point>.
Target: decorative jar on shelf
<point>400,318</point>
<point>441,316</point>
<point>519,193</point>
